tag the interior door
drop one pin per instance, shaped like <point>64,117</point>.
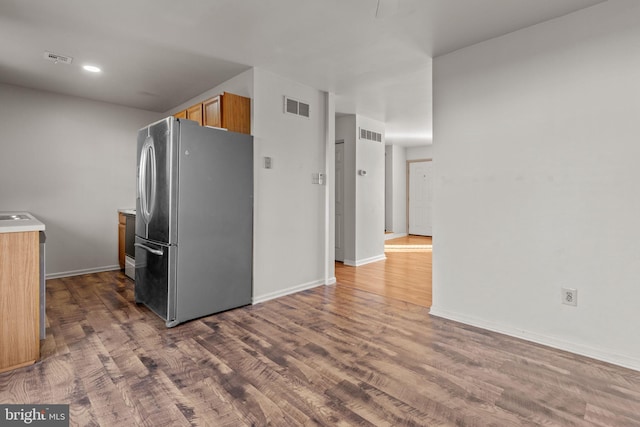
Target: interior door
<point>420,197</point>
<point>339,207</point>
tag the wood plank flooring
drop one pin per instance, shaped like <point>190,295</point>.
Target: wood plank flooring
<point>330,356</point>
<point>405,275</point>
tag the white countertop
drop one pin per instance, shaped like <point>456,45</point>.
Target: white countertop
<point>26,222</point>
<point>127,211</point>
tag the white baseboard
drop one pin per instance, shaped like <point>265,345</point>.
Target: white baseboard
<point>601,354</point>
<point>394,235</point>
<point>292,290</point>
<point>332,281</point>
<point>81,272</point>
<point>364,261</point>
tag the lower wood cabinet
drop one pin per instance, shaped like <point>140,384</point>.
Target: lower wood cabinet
<point>19,299</point>
<point>122,228</point>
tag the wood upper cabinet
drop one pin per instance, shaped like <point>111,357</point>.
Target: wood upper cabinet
<point>229,111</point>
<point>213,111</point>
<point>195,113</point>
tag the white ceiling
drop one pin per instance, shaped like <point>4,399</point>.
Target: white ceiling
<point>156,54</point>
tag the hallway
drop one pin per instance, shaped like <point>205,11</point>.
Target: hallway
<point>405,275</point>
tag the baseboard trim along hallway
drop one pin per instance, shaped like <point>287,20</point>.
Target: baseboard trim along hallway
<point>601,354</point>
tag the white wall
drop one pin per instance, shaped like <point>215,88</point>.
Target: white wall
<point>537,183</point>
<point>400,191</point>
<point>388,188</point>
<point>420,152</point>
<point>72,163</point>
<point>364,206</point>
<point>395,191</point>
<point>289,215</point>
<point>369,194</point>
<point>346,131</point>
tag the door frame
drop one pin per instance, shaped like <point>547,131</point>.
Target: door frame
<point>335,194</point>
<point>408,177</point>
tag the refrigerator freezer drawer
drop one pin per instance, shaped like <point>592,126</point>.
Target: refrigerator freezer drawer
<point>155,278</point>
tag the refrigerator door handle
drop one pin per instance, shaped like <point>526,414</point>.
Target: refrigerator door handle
<point>142,181</point>
<point>158,252</point>
<point>152,163</point>
<point>147,192</point>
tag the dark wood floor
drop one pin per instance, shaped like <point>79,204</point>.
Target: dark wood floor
<point>327,356</point>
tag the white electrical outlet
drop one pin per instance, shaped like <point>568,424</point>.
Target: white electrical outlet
<point>570,296</point>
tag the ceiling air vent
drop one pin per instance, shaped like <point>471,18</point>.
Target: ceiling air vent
<point>370,135</point>
<point>54,57</point>
<point>298,108</point>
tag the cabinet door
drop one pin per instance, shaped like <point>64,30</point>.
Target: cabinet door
<point>181,115</point>
<point>121,239</point>
<point>195,113</point>
<point>19,299</point>
<point>212,112</point>
<point>236,113</point>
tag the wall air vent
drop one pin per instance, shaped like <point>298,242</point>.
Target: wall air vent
<point>296,107</point>
<point>370,135</point>
<point>54,57</point>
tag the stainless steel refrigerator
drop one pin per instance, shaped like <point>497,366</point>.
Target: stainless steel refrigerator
<point>194,220</point>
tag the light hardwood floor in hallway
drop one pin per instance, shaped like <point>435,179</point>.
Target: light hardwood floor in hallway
<point>405,275</point>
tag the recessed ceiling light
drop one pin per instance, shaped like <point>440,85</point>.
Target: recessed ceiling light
<point>91,68</point>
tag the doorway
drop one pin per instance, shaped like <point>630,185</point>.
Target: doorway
<point>420,197</point>
<point>405,275</point>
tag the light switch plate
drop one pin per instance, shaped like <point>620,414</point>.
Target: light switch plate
<point>570,296</point>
